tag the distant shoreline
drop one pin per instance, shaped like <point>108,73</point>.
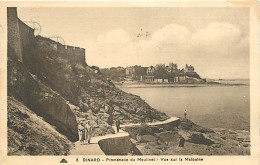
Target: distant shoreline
<point>146,85</point>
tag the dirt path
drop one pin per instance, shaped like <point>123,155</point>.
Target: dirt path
<point>94,149</point>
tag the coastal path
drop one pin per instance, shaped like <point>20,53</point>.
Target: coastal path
<point>94,149</point>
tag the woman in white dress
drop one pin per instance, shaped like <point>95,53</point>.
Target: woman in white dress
<point>89,131</point>
<point>81,131</point>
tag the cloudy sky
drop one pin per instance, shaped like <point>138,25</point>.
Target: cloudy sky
<point>214,40</point>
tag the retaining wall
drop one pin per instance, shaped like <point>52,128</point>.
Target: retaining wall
<point>123,145</point>
<point>19,34</point>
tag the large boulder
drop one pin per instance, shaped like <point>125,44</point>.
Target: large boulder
<point>146,139</point>
<point>28,134</point>
<point>116,146</point>
<point>26,88</point>
<point>199,138</point>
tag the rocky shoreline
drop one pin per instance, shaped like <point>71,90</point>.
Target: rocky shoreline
<point>189,138</point>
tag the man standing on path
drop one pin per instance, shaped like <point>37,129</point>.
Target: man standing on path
<point>89,131</point>
<point>185,114</point>
<point>118,125</point>
<point>150,115</point>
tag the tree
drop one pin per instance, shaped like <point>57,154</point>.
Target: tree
<point>160,71</point>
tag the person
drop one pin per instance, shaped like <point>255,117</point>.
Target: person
<point>81,132</point>
<point>150,116</point>
<point>181,142</point>
<point>118,125</point>
<point>89,131</point>
<point>143,120</point>
<point>185,114</point>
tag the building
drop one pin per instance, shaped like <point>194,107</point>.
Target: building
<point>129,70</point>
<point>161,80</point>
<point>169,69</point>
<point>150,70</point>
<point>135,72</point>
<point>163,74</point>
<point>189,68</point>
<point>147,78</point>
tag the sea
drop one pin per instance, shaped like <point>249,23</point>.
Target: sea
<point>216,107</point>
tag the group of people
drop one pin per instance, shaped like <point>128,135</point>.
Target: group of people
<point>85,132</point>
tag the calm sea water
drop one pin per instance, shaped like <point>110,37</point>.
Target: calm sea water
<point>225,107</point>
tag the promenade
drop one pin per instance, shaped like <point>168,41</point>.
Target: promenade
<point>94,149</point>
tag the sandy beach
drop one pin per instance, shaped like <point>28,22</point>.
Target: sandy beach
<point>151,85</point>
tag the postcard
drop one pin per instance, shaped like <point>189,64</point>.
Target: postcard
<point>129,82</point>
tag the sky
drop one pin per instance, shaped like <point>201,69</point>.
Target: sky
<point>214,40</point>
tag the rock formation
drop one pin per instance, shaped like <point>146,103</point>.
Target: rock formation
<point>187,138</point>
<point>28,134</point>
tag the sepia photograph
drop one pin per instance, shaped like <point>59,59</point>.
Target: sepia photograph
<point>128,81</point>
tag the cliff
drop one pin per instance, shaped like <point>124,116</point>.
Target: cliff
<point>53,81</point>
<point>84,87</point>
<point>35,95</point>
<point>28,134</point>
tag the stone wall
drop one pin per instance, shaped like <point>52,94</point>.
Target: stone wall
<point>19,34</point>
<point>13,32</point>
<point>72,53</point>
<point>26,34</point>
<point>67,52</point>
<point>151,129</point>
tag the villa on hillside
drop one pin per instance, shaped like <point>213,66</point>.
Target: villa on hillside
<point>159,73</point>
<point>171,74</point>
